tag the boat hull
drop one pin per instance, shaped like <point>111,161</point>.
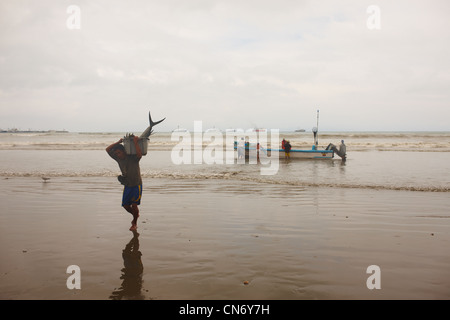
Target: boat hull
<point>304,154</point>
<point>294,154</point>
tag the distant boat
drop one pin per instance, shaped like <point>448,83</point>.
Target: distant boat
<point>213,129</point>
<point>234,130</point>
<point>300,130</point>
<point>259,130</point>
<point>178,129</point>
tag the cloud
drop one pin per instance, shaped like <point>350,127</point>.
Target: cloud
<point>228,63</point>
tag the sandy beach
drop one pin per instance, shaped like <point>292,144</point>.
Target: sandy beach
<point>219,239</point>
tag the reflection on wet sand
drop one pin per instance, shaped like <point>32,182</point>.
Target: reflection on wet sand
<point>131,273</point>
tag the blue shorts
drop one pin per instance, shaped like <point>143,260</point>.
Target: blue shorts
<point>132,195</point>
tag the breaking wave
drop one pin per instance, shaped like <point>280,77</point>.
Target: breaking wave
<point>355,141</point>
<point>231,176</point>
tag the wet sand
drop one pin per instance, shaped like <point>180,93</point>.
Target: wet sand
<point>216,239</point>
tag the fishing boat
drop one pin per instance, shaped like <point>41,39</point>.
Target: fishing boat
<point>304,154</point>
<point>255,150</point>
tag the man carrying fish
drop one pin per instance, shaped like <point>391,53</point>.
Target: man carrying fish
<point>131,172</point>
<point>130,178</point>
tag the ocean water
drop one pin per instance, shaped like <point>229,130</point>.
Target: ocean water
<point>415,161</point>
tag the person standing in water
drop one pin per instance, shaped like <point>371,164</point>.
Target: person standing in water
<point>241,149</point>
<point>343,150</point>
<point>130,178</point>
<point>287,150</point>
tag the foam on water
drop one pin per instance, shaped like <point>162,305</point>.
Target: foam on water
<point>239,178</point>
<point>356,141</point>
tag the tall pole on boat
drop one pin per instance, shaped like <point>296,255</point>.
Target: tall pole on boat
<point>316,142</point>
<point>317,120</point>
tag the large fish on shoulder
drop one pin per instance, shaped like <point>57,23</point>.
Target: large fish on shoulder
<point>149,129</point>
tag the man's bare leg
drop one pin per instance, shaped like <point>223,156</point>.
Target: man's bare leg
<point>134,210</point>
<point>128,208</point>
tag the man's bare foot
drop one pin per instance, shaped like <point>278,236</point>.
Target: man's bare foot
<point>133,227</point>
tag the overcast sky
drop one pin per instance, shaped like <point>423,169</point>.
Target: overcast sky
<point>230,63</point>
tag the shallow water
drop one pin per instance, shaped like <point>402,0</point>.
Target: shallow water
<point>418,171</point>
